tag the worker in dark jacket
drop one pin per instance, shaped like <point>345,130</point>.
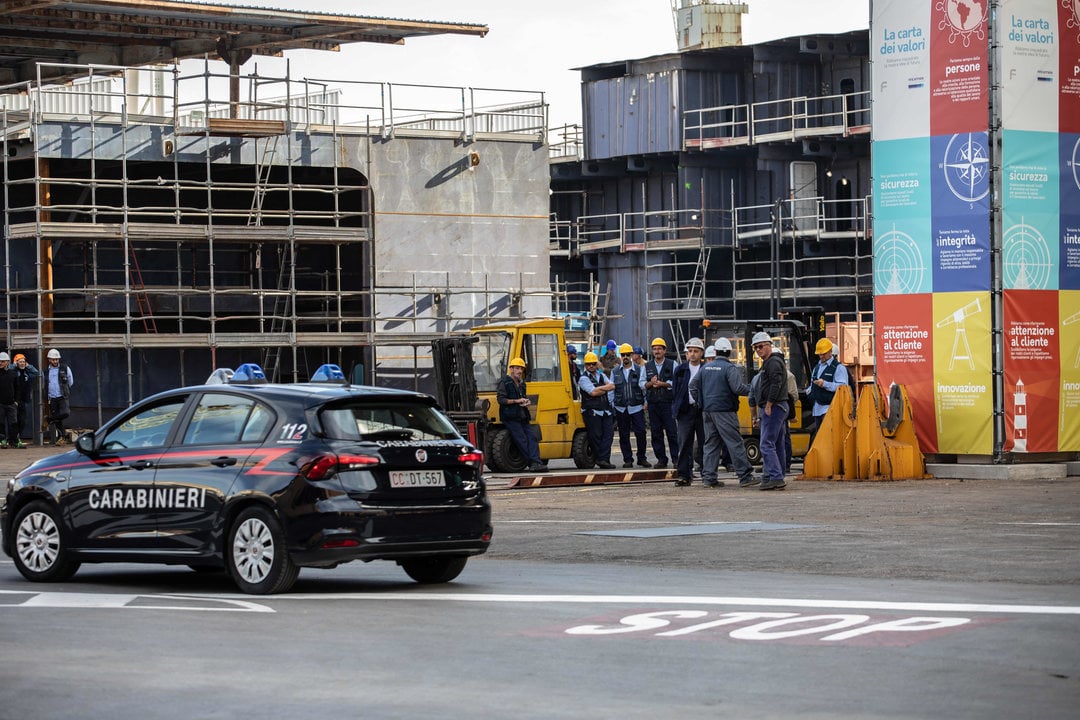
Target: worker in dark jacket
<point>718,388</point>
<point>514,413</point>
<point>26,378</point>
<point>687,413</point>
<point>8,410</point>
<point>773,401</point>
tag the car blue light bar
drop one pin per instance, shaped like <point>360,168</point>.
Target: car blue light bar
<point>329,373</point>
<point>248,374</point>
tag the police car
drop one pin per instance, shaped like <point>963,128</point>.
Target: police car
<point>260,479</point>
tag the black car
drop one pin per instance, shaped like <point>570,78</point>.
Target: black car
<point>260,479</point>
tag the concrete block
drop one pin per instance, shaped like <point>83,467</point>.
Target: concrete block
<point>1072,469</point>
<point>1026,471</point>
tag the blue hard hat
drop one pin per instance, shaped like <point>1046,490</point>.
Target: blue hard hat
<point>611,345</point>
<point>638,350</point>
<point>571,350</point>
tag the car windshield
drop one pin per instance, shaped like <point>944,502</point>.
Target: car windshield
<point>391,420</point>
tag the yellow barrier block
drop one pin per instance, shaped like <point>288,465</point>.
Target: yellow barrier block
<point>878,444</point>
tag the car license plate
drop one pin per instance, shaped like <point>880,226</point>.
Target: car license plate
<point>417,478</point>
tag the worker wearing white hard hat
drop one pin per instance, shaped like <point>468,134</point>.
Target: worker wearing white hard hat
<point>773,399</point>
<point>8,405</point>
<point>688,421</point>
<point>58,382</point>
<point>718,388</point>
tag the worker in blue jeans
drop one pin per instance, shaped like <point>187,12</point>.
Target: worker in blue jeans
<point>773,401</point>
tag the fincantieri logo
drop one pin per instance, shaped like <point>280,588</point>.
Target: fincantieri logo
<point>963,19</point>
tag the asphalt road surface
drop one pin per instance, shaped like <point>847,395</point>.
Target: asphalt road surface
<point>926,599</point>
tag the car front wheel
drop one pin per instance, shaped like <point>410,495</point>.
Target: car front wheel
<point>39,544</point>
<point>432,570</point>
<point>258,560</point>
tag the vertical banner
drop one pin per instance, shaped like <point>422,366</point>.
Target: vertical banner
<point>1032,366</point>
<point>900,50</point>
<point>932,242</point>
<point>904,355</point>
<point>1040,243</point>
<point>963,377</point>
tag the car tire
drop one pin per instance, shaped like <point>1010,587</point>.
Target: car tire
<point>256,555</point>
<point>753,450</point>
<point>581,451</point>
<point>433,570</point>
<point>503,454</point>
<point>40,545</point>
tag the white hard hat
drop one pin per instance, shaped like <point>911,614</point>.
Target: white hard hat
<point>4,356</point>
<point>53,354</point>
<point>710,352</point>
<point>722,345</point>
<point>760,337</point>
<point>696,343</point>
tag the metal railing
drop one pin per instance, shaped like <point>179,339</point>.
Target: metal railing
<point>789,119</point>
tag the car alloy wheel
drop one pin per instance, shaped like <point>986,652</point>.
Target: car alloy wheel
<point>40,554</point>
<point>258,559</point>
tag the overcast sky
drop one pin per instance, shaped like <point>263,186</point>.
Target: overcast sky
<point>533,45</point>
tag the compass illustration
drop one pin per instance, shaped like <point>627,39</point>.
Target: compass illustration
<point>1075,160</point>
<point>963,19</point>
<point>966,166</point>
<point>1026,263</point>
<point>898,264</point>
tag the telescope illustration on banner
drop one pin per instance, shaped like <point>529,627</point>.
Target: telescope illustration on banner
<point>961,348</point>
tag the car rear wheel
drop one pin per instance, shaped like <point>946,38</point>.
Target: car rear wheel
<point>431,570</point>
<point>39,544</point>
<point>258,560</point>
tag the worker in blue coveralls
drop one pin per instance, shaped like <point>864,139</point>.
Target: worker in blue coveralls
<point>629,404</point>
<point>514,402</point>
<point>597,410</point>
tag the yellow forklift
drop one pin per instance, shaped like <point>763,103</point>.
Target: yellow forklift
<point>468,369</point>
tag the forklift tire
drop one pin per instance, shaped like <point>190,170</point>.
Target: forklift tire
<point>581,451</point>
<point>503,455</point>
<point>753,450</point>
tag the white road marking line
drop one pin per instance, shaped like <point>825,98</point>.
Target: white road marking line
<point>696,600</point>
<point>1048,524</point>
<point>112,601</point>
<point>660,523</point>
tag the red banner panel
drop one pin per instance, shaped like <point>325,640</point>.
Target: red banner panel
<point>904,355</point>
<point>1032,370</point>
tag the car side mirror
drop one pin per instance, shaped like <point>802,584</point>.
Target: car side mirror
<point>85,443</point>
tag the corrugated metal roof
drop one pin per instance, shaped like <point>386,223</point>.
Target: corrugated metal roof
<point>137,32</point>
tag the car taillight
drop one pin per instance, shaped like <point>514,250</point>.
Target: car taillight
<point>326,465</point>
<point>474,457</point>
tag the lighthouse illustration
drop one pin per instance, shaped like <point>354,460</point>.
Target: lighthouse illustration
<point>1020,426</point>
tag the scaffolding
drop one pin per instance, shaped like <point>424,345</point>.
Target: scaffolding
<point>142,216</point>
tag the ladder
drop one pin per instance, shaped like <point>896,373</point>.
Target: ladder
<point>142,300</point>
<point>264,164</point>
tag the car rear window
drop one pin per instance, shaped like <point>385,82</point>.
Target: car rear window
<point>391,420</point>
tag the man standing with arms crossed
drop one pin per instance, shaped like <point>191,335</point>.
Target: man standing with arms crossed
<point>596,410</point>
<point>659,379</point>
<point>629,403</point>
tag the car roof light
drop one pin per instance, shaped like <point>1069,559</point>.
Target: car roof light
<point>248,374</point>
<point>329,373</point>
<point>221,376</point>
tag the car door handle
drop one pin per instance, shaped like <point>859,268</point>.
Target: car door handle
<point>141,464</point>
<point>223,461</point>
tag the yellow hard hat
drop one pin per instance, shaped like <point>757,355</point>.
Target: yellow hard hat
<point>658,341</point>
<point>590,357</point>
<point>517,362</point>
<point>626,349</point>
<point>824,345</point>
